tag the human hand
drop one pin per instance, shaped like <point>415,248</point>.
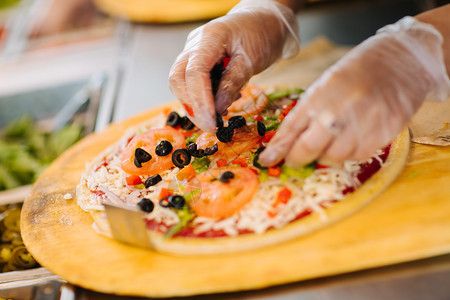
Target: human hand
<point>361,103</point>
<point>253,34</point>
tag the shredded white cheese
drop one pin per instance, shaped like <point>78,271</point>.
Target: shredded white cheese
<point>260,214</point>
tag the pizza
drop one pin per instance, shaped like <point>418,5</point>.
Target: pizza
<point>203,193</point>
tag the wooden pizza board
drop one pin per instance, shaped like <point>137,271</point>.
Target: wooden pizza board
<point>408,221</point>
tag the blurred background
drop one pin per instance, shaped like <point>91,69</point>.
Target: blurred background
<point>71,67</point>
<point>123,50</point>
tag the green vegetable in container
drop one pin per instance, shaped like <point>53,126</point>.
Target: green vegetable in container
<point>25,151</point>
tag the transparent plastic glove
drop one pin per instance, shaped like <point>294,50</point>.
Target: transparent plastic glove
<point>253,34</point>
<point>362,102</point>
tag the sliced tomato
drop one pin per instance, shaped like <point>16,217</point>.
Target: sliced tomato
<point>148,141</point>
<point>252,101</point>
<point>244,139</point>
<point>220,200</point>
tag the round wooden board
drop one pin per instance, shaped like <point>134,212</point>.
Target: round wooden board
<point>167,11</point>
<point>408,221</point>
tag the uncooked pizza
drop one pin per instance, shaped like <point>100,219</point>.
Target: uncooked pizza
<point>207,193</point>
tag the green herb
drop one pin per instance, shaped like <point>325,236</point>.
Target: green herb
<point>185,215</point>
<point>297,91</point>
<point>284,177</point>
<point>191,139</point>
<point>273,126</point>
<point>270,118</point>
<point>303,172</point>
<point>200,164</point>
<point>234,165</point>
<point>263,176</point>
<point>283,93</point>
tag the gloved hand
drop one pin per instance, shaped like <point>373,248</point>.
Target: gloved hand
<point>253,34</point>
<point>362,102</point>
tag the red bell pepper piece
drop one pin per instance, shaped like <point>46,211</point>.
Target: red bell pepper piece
<point>221,163</point>
<point>133,180</point>
<point>283,196</point>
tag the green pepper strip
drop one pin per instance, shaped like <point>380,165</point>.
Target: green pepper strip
<point>192,139</point>
<point>201,164</point>
<point>283,93</point>
<point>303,172</point>
<point>185,215</point>
<point>189,196</point>
<point>273,126</point>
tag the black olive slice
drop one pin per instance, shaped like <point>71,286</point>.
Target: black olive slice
<point>141,155</point>
<point>261,128</point>
<point>215,75</point>
<point>146,205</point>
<point>198,153</point>
<point>193,151</point>
<point>211,150</point>
<point>256,159</point>
<point>192,148</point>
<point>173,120</point>
<point>226,176</point>
<point>186,124</point>
<point>225,134</point>
<point>181,158</point>
<point>163,148</point>
<point>176,201</point>
<point>137,163</point>
<point>152,180</point>
<point>237,122</point>
<point>219,120</point>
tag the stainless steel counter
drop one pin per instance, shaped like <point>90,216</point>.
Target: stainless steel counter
<point>138,66</point>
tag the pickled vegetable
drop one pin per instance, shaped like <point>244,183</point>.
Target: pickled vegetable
<point>13,254</point>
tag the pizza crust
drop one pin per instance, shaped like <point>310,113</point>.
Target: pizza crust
<point>192,246</point>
